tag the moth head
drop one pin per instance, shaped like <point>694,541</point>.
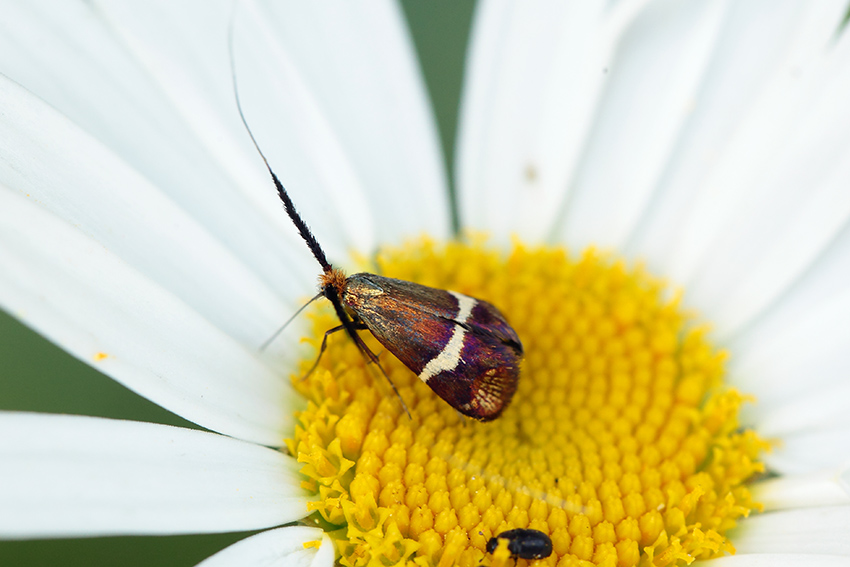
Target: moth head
<point>332,282</point>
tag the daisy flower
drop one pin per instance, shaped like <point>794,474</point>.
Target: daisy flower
<point>655,193</point>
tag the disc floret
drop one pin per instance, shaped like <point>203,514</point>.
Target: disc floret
<point>622,443</point>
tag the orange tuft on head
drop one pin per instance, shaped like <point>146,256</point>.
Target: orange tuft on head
<point>334,278</point>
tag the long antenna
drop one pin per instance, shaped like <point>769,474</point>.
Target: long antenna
<point>280,329</point>
<point>328,291</point>
<point>302,227</point>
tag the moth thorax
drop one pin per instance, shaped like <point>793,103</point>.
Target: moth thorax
<point>360,289</point>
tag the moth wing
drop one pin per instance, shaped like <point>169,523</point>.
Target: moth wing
<point>485,320</point>
<point>410,320</point>
<point>462,347</point>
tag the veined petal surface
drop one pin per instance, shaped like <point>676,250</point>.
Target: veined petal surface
<point>72,476</point>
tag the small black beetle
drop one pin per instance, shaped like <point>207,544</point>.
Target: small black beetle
<point>525,544</point>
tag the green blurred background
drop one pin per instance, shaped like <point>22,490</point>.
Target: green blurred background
<point>37,376</point>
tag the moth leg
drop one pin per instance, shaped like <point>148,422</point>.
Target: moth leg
<point>373,359</point>
<point>352,326</point>
<point>357,325</point>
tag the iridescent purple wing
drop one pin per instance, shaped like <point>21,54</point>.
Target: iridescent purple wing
<point>462,347</point>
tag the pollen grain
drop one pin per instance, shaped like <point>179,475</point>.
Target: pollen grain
<point>622,442</point>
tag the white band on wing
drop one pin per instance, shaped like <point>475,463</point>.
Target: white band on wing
<point>449,357</point>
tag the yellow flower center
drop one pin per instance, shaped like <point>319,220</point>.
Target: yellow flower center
<point>621,443</point>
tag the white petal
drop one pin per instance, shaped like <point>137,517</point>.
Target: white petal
<point>533,73</point>
<point>344,81</point>
<point>669,125</point>
<point>91,75</point>
<point>71,175</point>
<point>83,297</point>
<point>804,335</point>
<point>824,488</point>
<point>342,112</point>
<point>805,452</point>
<point>817,409</point>
<point>326,555</point>
<point>779,560</point>
<point>761,43</point>
<point>575,115</point>
<point>283,547</point>
<point>352,118</point>
<point>334,98</point>
<point>812,530</point>
<point>762,203</point>
<point>68,476</point>
<point>654,81</point>
<point>154,85</point>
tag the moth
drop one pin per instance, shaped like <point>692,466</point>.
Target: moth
<point>463,348</point>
